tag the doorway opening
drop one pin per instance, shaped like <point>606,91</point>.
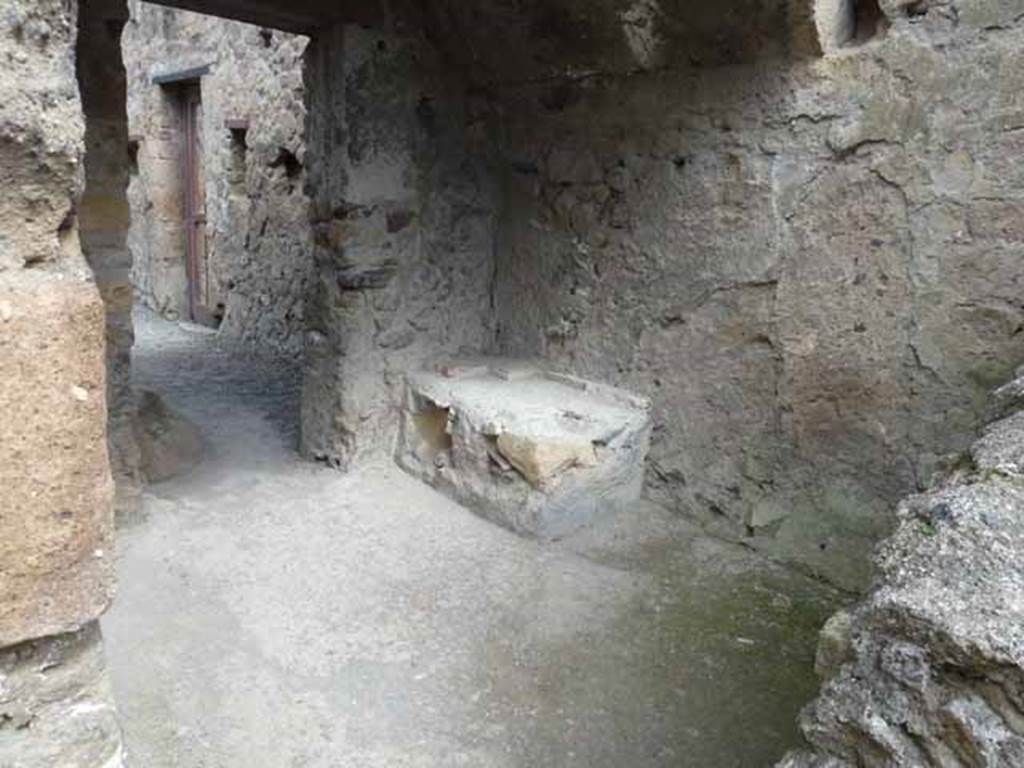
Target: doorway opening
<point>179,279</point>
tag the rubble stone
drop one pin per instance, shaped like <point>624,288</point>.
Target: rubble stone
<point>169,444</point>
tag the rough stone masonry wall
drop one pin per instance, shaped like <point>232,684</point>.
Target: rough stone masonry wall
<point>56,519</point>
<point>258,232</point>
<point>403,215</point>
<point>806,250</point>
<point>929,669</point>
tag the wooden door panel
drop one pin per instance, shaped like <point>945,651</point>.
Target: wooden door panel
<point>195,207</point>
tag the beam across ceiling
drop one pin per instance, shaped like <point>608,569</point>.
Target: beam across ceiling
<point>299,16</point>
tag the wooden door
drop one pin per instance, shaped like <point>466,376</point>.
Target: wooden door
<point>197,266</point>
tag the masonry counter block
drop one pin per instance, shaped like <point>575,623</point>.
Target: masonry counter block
<point>539,452</point>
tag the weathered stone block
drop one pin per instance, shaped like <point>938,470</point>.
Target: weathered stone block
<point>56,525</point>
<point>537,452</point>
<point>56,707</point>
<point>928,668</point>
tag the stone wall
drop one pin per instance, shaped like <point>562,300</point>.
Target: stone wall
<point>810,261</point>
<point>56,523</point>
<point>404,209</point>
<point>929,668</point>
<point>258,244</point>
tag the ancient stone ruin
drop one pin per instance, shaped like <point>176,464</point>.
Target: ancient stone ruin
<point>511,383</point>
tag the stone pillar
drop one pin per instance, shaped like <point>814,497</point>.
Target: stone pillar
<point>56,516</point>
<point>323,436</point>
<point>105,219</point>
<point>403,209</point>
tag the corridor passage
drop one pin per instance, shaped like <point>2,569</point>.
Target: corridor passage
<point>273,613</point>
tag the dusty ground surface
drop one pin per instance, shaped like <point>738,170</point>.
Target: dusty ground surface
<point>276,613</point>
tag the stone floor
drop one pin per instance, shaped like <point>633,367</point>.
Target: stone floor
<point>276,613</point>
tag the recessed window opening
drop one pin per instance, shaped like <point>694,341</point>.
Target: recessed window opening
<point>844,24</point>
<point>869,21</point>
